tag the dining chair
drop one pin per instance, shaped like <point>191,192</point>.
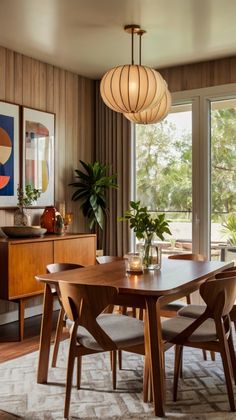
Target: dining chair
<point>122,309</point>
<point>173,308</point>
<point>55,268</point>
<point>194,311</point>
<point>210,331</point>
<point>92,331</point>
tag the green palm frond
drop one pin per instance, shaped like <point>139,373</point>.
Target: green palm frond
<point>91,186</point>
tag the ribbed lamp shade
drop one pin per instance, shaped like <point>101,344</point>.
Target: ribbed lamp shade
<point>131,88</point>
<point>152,115</point>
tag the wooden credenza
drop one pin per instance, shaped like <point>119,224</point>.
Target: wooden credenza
<point>24,258</point>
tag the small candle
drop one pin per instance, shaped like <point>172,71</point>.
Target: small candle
<point>135,263</point>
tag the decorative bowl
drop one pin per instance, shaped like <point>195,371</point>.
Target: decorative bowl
<point>23,231</point>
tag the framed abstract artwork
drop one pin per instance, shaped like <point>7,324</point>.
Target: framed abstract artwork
<point>9,154</point>
<point>38,153</point>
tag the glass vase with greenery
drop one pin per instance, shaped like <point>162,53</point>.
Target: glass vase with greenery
<point>26,197</point>
<point>145,227</point>
<point>91,186</point>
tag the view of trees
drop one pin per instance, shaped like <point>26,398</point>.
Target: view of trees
<point>164,165</point>
<point>223,135</point>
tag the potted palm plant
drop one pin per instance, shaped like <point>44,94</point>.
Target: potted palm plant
<point>91,187</point>
<point>145,227</point>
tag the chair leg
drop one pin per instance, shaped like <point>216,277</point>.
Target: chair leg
<point>204,353</point>
<point>79,364</point>
<point>114,357</point>
<point>69,377</point>
<point>235,325</point>
<point>224,351</point>
<point>140,314</point>
<point>58,336</point>
<point>232,355</point>
<point>120,359</point>
<point>213,355</point>
<point>178,358</point>
<point>146,379</point>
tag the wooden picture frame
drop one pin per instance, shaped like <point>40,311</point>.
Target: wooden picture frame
<point>9,154</point>
<point>38,129</point>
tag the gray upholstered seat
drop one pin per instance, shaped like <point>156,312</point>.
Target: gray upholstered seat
<point>192,311</point>
<point>123,330</point>
<point>173,326</point>
<point>174,306</point>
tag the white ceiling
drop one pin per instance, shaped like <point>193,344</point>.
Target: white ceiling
<point>87,37</point>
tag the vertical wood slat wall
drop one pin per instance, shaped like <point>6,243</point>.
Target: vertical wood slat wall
<point>29,82</point>
<point>200,75</point>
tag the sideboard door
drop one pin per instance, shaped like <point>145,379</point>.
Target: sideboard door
<point>76,250</point>
<point>26,261</point>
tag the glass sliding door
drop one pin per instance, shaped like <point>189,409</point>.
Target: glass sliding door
<point>164,174</point>
<point>223,179</point>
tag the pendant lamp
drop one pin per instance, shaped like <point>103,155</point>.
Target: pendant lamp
<point>152,115</point>
<point>131,88</point>
<point>156,113</point>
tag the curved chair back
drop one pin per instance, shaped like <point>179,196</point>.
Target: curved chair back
<point>219,294</point>
<point>56,267</point>
<point>107,259</point>
<point>82,305</point>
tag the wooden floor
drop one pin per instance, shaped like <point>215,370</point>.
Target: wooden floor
<point>10,347</point>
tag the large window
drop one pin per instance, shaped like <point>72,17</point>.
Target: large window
<point>186,167</point>
<point>164,170</point>
<point>223,173</point>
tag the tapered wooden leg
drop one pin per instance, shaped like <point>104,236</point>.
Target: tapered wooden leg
<point>154,345</point>
<point>232,355</point>
<point>69,377</point>
<point>111,359</point>
<point>146,379</point>
<point>204,354</point>
<point>45,336</point>
<point>114,357</point>
<point>21,319</point>
<point>224,351</point>
<point>140,314</point>
<point>178,359</point>
<point>79,365</point>
<point>58,336</point>
<point>213,355</point>
<point>120,359</point>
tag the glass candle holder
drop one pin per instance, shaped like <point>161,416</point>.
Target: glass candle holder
<point>67,220</point>
<point>134,263</point>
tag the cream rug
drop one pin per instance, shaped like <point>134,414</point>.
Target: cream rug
<point>202,394</point>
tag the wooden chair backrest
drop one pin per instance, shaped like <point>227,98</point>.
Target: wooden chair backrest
<point>107,259</point>
<point>219,294</point>
<point>192,257</point>
<point>56,267</point>
<point>83,303</point>
<point>229,269</point>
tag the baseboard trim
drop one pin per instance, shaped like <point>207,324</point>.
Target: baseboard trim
<point>12,316</point>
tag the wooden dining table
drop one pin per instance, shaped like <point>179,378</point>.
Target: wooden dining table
<point>148,290</point>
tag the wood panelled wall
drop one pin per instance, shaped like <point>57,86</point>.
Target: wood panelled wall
<point>200,75</point>
<point>31,83</point>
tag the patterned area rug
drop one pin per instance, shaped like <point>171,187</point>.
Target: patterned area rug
<point>202,393</point>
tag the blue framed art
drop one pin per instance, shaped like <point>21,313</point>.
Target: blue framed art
<point>9,154</point>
